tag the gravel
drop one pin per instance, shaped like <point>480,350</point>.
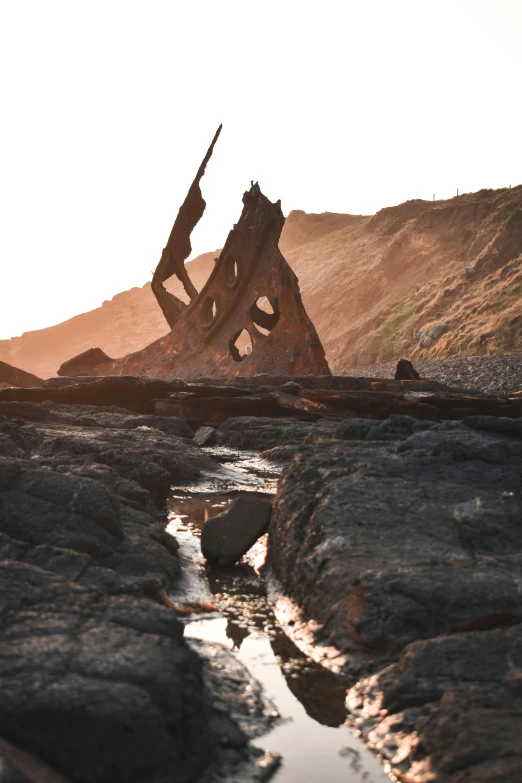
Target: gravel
<point>488,374</point>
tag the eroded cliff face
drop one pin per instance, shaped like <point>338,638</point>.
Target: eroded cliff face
<point>444,276</point>
<point>409,273</point>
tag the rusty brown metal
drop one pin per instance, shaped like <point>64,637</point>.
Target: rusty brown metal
<point>248,319</point>
<point>178,247</point>
<point>251,300</point>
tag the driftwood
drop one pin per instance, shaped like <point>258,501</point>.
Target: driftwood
<point>211,402</point>
<point>314,404</point>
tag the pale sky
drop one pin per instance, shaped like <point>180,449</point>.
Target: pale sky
<point>108,106</point>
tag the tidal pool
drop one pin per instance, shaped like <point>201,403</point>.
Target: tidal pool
<point>315,745</point>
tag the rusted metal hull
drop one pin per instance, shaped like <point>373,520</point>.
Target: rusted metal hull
<point>204,342</point>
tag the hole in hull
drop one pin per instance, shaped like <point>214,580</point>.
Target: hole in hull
<point>240,346</point>
<point>264,314</point>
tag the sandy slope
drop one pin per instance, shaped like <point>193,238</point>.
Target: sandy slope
<point>367,282</point>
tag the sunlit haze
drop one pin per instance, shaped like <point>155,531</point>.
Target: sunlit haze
<point>108,108</point>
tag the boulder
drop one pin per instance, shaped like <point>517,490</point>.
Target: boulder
<point>89,362</point>
<point>12,376</point>
<point>205,436</point>
<point>406,371</point>
<point>227,537</point>
<point>437,330</point>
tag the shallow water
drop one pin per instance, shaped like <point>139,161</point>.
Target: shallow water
<point>311,737</point>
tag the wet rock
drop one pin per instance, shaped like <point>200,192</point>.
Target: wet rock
<point>382,543</point>
<point>111,677</point>
<point>153,459</point>
<point>17,439</point>
<point>450,708</point>
<point>239,710</point>
<point>31,411</point>
<point>205,436</point>
<point>406,371</point>
<point>279,454</point>
<point>261,433</point>
<point>49,513</point>
<point>403,550</point>
<point>98,682</point>
<point>394,428</point>
<point>227,537</point>
<point>107,417</point>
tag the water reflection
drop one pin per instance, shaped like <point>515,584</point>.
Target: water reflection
<point>320,692</point>
<point>237,634</point>
<point>313,740</point>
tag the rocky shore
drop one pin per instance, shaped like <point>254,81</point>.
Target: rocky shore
<point>399,544</point>
<point>395,541</point>
<point>488,374</point>
<point>98,682</point>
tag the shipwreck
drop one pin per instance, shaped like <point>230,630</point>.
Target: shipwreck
<point>249,317</point>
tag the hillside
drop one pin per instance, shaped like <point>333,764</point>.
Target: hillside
<point>428,279</point>
<point>129,321</point>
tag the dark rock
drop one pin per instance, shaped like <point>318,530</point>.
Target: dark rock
<point>261,433</point>
<point>97,680</point>
<point>18,440</point>
<point>205,436</point>
<point>12,376</point>
<point>394,428</point>
<point>86,363</point>
<point>106,417</point>
<point>50,513</point>
<point>153,459</point>
<point>462,695</point>
<point>384,543</point>
<point>25,410</point>
<point>406,371</point>
<point>279,454</point>
<point>405,543</point>
<point>135,394</point>
<point>227,537</point>
<point>100,688</point>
